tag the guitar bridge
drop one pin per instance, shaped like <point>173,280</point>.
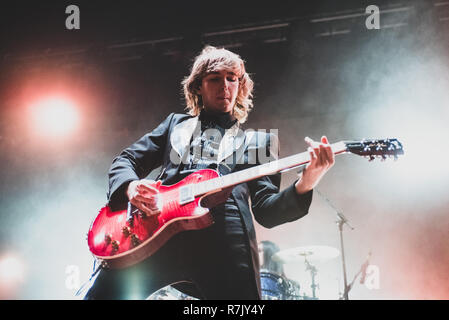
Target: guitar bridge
<point>185,195</point>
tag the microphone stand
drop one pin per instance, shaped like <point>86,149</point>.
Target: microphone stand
<point>342,220</point>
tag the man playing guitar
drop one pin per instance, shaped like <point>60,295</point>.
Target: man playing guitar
<point>220,261</point>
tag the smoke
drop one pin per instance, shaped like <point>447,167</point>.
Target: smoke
<point>390,83</point>
<point>47,223</point>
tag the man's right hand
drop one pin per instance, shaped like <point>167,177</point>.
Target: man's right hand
<point>141,194</point>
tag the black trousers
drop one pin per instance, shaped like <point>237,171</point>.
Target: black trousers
<point>216,260</point>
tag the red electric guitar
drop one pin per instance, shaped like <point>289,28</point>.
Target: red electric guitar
<point>123,238</point>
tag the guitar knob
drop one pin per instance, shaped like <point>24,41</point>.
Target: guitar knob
<point>115,245</point>
<point>135,240</point>
<point>126,231</point>
<point>104,264</point>
<point>107,239</point>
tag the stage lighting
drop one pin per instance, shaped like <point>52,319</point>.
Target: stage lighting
<point>54,117</point>
<point>11,270</point>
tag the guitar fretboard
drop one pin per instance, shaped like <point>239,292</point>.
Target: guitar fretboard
<point>255,172</point>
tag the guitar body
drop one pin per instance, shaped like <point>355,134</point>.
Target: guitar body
<point>120,242</point>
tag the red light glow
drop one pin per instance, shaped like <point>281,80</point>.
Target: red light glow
<point>54,117</point>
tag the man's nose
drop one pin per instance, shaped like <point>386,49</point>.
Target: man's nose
<point>224,83</point>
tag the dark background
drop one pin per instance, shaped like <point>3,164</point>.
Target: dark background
<point>317,70</point>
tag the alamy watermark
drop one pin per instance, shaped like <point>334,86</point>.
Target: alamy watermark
<point>73,20</point>
<point>261,146</point>
<point>373,20</point>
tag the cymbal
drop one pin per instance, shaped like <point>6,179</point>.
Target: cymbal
<point>311,253</point>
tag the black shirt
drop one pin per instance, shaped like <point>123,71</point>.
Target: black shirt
<point>204,148</point>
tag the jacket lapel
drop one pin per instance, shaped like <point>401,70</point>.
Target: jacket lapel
<point>231,142</point>
<point>183,131</point>
<point>181,134</point>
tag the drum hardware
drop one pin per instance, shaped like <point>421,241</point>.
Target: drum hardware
<point>293,290</point>
<point>341,221</point>
<point>311,253</point>
<point>362,271</point>
<point>313,271</point>
<point>169,293</point>
<point>273,286</point>
<point>306,255</point>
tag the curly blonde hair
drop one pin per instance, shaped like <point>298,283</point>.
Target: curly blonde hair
<point>214,59</point>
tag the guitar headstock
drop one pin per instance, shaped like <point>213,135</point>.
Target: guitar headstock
<point>380,148</point>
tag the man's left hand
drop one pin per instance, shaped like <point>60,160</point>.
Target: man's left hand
<point>321,160</point>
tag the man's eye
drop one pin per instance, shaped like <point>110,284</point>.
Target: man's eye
<point>232,79</point>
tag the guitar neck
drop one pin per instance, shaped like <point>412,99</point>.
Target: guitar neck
<point>255,172</point>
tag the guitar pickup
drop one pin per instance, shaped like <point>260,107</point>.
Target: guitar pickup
<point>185,195</point>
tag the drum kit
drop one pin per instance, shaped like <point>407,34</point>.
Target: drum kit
<point>276,286</point>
